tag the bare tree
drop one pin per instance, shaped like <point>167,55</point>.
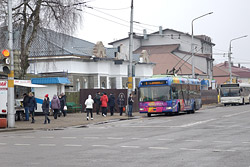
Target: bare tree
<point>31,15</point>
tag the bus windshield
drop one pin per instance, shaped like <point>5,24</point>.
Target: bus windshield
<point>230,92</point>
<point>154,93</point>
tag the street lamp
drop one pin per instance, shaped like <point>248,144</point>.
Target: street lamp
<point>192,47</point>
<point>229,57</point>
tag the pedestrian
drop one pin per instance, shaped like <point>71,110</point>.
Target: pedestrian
<point>130,104</point>
<point>104,105</point>
<point>111,103</point>
<point>89,107</point>
<point>45,108</point>
<point>97,100</point>
<point>121,102</point>
<point>55,106</point>
<point>32,106</point>
<point>26,106</point>
<point>62,104</point>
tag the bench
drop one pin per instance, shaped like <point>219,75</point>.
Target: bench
<point>73,107</point>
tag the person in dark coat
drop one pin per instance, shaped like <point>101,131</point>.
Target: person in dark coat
<point>55,106</point>
<point>45,108</point>
<point>62,104</point>
<point>97,100</point>
<point>130,104</point>
<point>26,100</point>
<point>111,103</point>
<point>32,106</point>
<point>121,102</point>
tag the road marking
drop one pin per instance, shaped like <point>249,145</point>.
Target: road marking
<point>114,138</point>
<point>246,142</point>
<point>196,123</point>
<point>100,145</point>
<point>139,138</point>
<point>224,150</point>
<point>165,139</point>
<point>49,145</point>
<point>130,146</point>
<point>226,116</point>
<point>190,149</point>
<point>91,137</point>
<point>72,145</point>
<point>3,144</point>
<point>22,144</point>
<point>193,140</point>
<point>28,137</point>
<point>68,137</point>
<point>48,137</point>
<point>222,141</point>
<point>159,148</point>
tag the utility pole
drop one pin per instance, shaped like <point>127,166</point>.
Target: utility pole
<point>10,102</point>
<point>130,75</point>
<point>229,57</point>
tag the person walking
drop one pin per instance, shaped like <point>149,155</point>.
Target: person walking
<point>97,100</point>
<point>121,102</point>
<point>89,107</point>
<point>104,105</point>
<point>130,104</point>
<point>26,106</point>
<point>62,104</point>
<point>32,106</point>
<point>45,108</point>
<point>111,103</point>
<point>55,106</point>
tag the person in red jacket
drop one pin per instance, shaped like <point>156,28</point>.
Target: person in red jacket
<point>104,105</point>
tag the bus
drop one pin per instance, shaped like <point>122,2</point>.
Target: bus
<point>234,93</point>
<point>169,95</point>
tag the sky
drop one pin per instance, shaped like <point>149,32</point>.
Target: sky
<point>108,20</point>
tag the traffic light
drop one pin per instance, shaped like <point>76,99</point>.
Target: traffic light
<point>6,61</point>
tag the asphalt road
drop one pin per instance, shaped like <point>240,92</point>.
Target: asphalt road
<point>216,137</point>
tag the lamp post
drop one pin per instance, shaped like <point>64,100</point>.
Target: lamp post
<point>229,57</point>
<point>192,41</point>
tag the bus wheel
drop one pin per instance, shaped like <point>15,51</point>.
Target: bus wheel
<point>149,115</point>
<point>243,102</point>
<point>193,111</point>
<point>225,104</point>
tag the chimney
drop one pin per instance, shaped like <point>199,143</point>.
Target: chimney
<point>239,65</point>
<point>145,36</point>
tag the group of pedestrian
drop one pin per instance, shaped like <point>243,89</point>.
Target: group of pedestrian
<point>103,101</point>
<point>56,104</point>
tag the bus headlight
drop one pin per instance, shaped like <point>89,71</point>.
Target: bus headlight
<point>141,109</point>
<point>168,108</point>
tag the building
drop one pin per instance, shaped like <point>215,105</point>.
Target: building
<point>170,50</point>
<point>85,64</point>
<point>239,74</point>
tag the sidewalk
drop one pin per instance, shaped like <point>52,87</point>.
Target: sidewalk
<point>72,119</point>
<point>77,119</point>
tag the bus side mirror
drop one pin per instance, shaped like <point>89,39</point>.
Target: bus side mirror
<point>135,91</point>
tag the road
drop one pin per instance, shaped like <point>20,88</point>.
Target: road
<point>214,137</point>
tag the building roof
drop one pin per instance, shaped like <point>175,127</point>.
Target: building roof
<point>241,72</point>
<point>200,37</point>
<point>166,60</point>
<point>45,81</point>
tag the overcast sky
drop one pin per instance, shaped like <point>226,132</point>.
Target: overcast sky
<point>230,19</point>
